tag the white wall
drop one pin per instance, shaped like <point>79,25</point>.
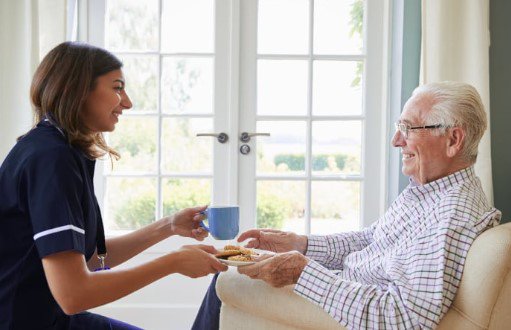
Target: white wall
<point>28,30</point>
<point>16,67</point>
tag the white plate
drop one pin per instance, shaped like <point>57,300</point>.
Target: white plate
<point>236,263</point>
<point>244,263</point>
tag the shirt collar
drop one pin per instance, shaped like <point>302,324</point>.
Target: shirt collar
<point>419,192</point>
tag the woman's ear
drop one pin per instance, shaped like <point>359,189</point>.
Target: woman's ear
<point>455,141</point>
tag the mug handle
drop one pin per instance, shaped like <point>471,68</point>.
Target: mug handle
<point>202,222</point>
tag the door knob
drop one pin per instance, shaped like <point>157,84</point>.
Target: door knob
<point>245,149</point>
<point>245,137</point>
<point>221,137</point>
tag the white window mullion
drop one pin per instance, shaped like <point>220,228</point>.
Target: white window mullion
<point>93,31</point>
<point>226,61</point>
<point>308,150</point>
<point>159,198</point>
<point>248,105</point>
<point>376,22</point>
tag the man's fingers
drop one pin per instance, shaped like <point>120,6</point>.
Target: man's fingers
<point>253,244</point>
<point>264,257</point>
<point>249,270</point>
<point>252,233</point>
<point>270,230</point>
<point>256,233</point>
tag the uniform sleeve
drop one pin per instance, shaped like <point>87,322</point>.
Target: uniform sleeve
<point>53,190</point>
<point>330,250</point>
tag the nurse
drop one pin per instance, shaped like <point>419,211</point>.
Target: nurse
<point>51,237</point>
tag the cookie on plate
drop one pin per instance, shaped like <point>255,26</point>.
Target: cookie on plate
<point>240,257</point>
<point>227,253</point>
<point>232,247</point>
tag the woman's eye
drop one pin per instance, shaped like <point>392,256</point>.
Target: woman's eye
<point>119,88</point>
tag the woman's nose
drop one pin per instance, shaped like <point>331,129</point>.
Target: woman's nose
<point>126,101</point>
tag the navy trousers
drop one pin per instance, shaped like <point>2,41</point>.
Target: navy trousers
<point>208,317</point>
<point>88,321</point>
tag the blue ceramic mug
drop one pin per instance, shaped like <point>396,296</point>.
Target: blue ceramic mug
<point>223,221</point>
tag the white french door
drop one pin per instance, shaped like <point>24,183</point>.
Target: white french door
<point>310,73</point>
<point>313,77</point>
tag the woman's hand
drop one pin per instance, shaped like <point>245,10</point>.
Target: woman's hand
<point>275,240</point>
<point>186,223</point>
<point>198,260</point>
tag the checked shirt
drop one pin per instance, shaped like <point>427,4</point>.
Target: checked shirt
<point>403,271</point>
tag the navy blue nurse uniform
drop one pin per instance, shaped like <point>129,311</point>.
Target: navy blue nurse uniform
<point>47,205</point>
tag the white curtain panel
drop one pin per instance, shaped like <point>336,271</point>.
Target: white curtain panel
<point>455,46</point>
<point>28,29</point>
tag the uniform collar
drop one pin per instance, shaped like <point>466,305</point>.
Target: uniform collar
<point>48,120</point>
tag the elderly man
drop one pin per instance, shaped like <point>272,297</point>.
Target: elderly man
<point>403,271</point>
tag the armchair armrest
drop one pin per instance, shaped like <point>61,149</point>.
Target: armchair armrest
<point>253,304</point>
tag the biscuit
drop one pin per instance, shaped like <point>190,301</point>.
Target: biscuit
<point>247,251</point>
<point>232,247</point>
<point>240,258</point>
<point>227,253</point>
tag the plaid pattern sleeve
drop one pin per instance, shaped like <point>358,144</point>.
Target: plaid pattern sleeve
<point>330,250</point>
<point>407,275</point>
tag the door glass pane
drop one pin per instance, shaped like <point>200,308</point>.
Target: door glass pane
<point>178,194</point>
<point>284,151</point>
<point>281,87</point>
<point>187,26</point>
<point>334,207</point>
<point>281,205</point>
<point>336,147</point>
<point>130,202</point>
<point>135,139</point>
<point>337,88</point>
<point>131,25</point>
<point>277,37</point>
<point>187,85</point>
<point>338,26</point>
<point>141,74</point>
<point>182,150</point>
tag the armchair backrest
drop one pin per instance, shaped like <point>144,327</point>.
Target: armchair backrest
<point>483,300</point>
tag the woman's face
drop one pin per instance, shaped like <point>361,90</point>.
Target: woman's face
<point>105,102</point>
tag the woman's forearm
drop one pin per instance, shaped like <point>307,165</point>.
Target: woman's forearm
<point>77,289</point>
<point>124,247</point>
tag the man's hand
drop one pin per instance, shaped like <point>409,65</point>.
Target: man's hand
<point>275,240</point>
<point>186,223</point>
<point>277,270</point>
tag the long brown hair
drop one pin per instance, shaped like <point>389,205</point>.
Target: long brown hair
<point>60,86</point>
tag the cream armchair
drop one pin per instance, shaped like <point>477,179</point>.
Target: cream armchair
<point>483,300</point>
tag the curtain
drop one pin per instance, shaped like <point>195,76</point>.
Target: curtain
<point>455,46</point>
<point>28,30</point>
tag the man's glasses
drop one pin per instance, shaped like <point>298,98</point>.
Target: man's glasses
<point>405,128</point>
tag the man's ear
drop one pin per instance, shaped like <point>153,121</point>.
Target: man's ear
<point>455,141</point>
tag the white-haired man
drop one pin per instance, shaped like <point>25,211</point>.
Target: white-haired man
<point>403,271</point>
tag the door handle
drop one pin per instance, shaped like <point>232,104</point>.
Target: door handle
<point>245,137</point>
<point>221,137</point>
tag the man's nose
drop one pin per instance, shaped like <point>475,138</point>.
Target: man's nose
<point>398,140</point>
